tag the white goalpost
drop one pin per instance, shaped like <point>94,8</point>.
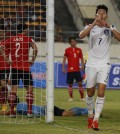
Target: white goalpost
<point>38,15</point>
<point>50,61</point>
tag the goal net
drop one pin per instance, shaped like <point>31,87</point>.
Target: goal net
<point>33,14</point>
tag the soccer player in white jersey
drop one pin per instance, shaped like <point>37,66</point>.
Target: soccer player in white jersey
<point>98,63</point>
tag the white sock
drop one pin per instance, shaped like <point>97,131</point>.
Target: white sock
<point>98,107</point>
<point>9,88</point>
<point>90,105</point>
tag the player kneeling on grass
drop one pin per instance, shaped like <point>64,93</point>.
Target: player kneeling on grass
<point>98,62</point>
<point>19,46</point>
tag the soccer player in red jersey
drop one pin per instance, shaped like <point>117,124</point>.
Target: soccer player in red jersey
<point>4,70</point>
<point>74,55</point>
<point>19,46</point>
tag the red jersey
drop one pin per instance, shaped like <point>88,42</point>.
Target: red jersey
<point>73,55</point>
<point>3,64</point>
<point>19,50</point>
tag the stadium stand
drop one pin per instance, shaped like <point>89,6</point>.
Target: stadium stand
<point>117,2</point>
<point>88,9</point>
<point>13,12</point>
<point>33,14</point>
<point>70,17</point>
<point>64,22</point>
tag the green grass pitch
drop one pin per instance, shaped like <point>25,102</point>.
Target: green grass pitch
<point>109,123</point>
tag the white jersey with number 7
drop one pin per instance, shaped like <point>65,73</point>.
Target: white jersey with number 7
<point>99,42</point>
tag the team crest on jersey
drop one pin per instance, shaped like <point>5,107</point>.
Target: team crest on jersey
<point>106,32</point>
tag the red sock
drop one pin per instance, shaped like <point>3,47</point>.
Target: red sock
<point>5,94</point>
<point>29,100</point>
<point>12,100</point>
<point>1,97</point>
<point>81,91</point>
<point>70,92</point>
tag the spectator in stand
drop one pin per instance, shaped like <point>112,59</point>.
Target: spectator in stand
<point>43,8</point>
<point>20,12</point>
<point>33,17</point>
<point>31,9</point>
<point>58,33</point>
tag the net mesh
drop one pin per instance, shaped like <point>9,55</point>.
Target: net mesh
<point>33,14</point>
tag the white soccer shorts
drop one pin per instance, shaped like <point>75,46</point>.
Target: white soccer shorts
<point>96,75</point>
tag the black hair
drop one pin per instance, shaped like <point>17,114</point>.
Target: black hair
<point>72,38</point>
<point>21,27</point>
<point>102,7</point>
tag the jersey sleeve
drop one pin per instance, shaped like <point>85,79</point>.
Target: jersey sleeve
<point>86,26</point>
<point>65,54</point>
<point>31,40</point>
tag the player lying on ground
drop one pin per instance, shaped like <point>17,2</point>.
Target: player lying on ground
<point>40,110</point>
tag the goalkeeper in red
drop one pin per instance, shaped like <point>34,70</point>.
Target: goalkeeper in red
<point>98,63</point>
<point>74,56</point>
<point>19,46</point>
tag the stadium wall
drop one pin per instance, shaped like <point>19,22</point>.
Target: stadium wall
<point>59,49</point>
<point>85,5</point>
<point>75,12</point>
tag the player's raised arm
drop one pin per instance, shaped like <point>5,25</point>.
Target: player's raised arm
<point>116,34</point>
<point>35,52</point>
<point>85,32</point>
